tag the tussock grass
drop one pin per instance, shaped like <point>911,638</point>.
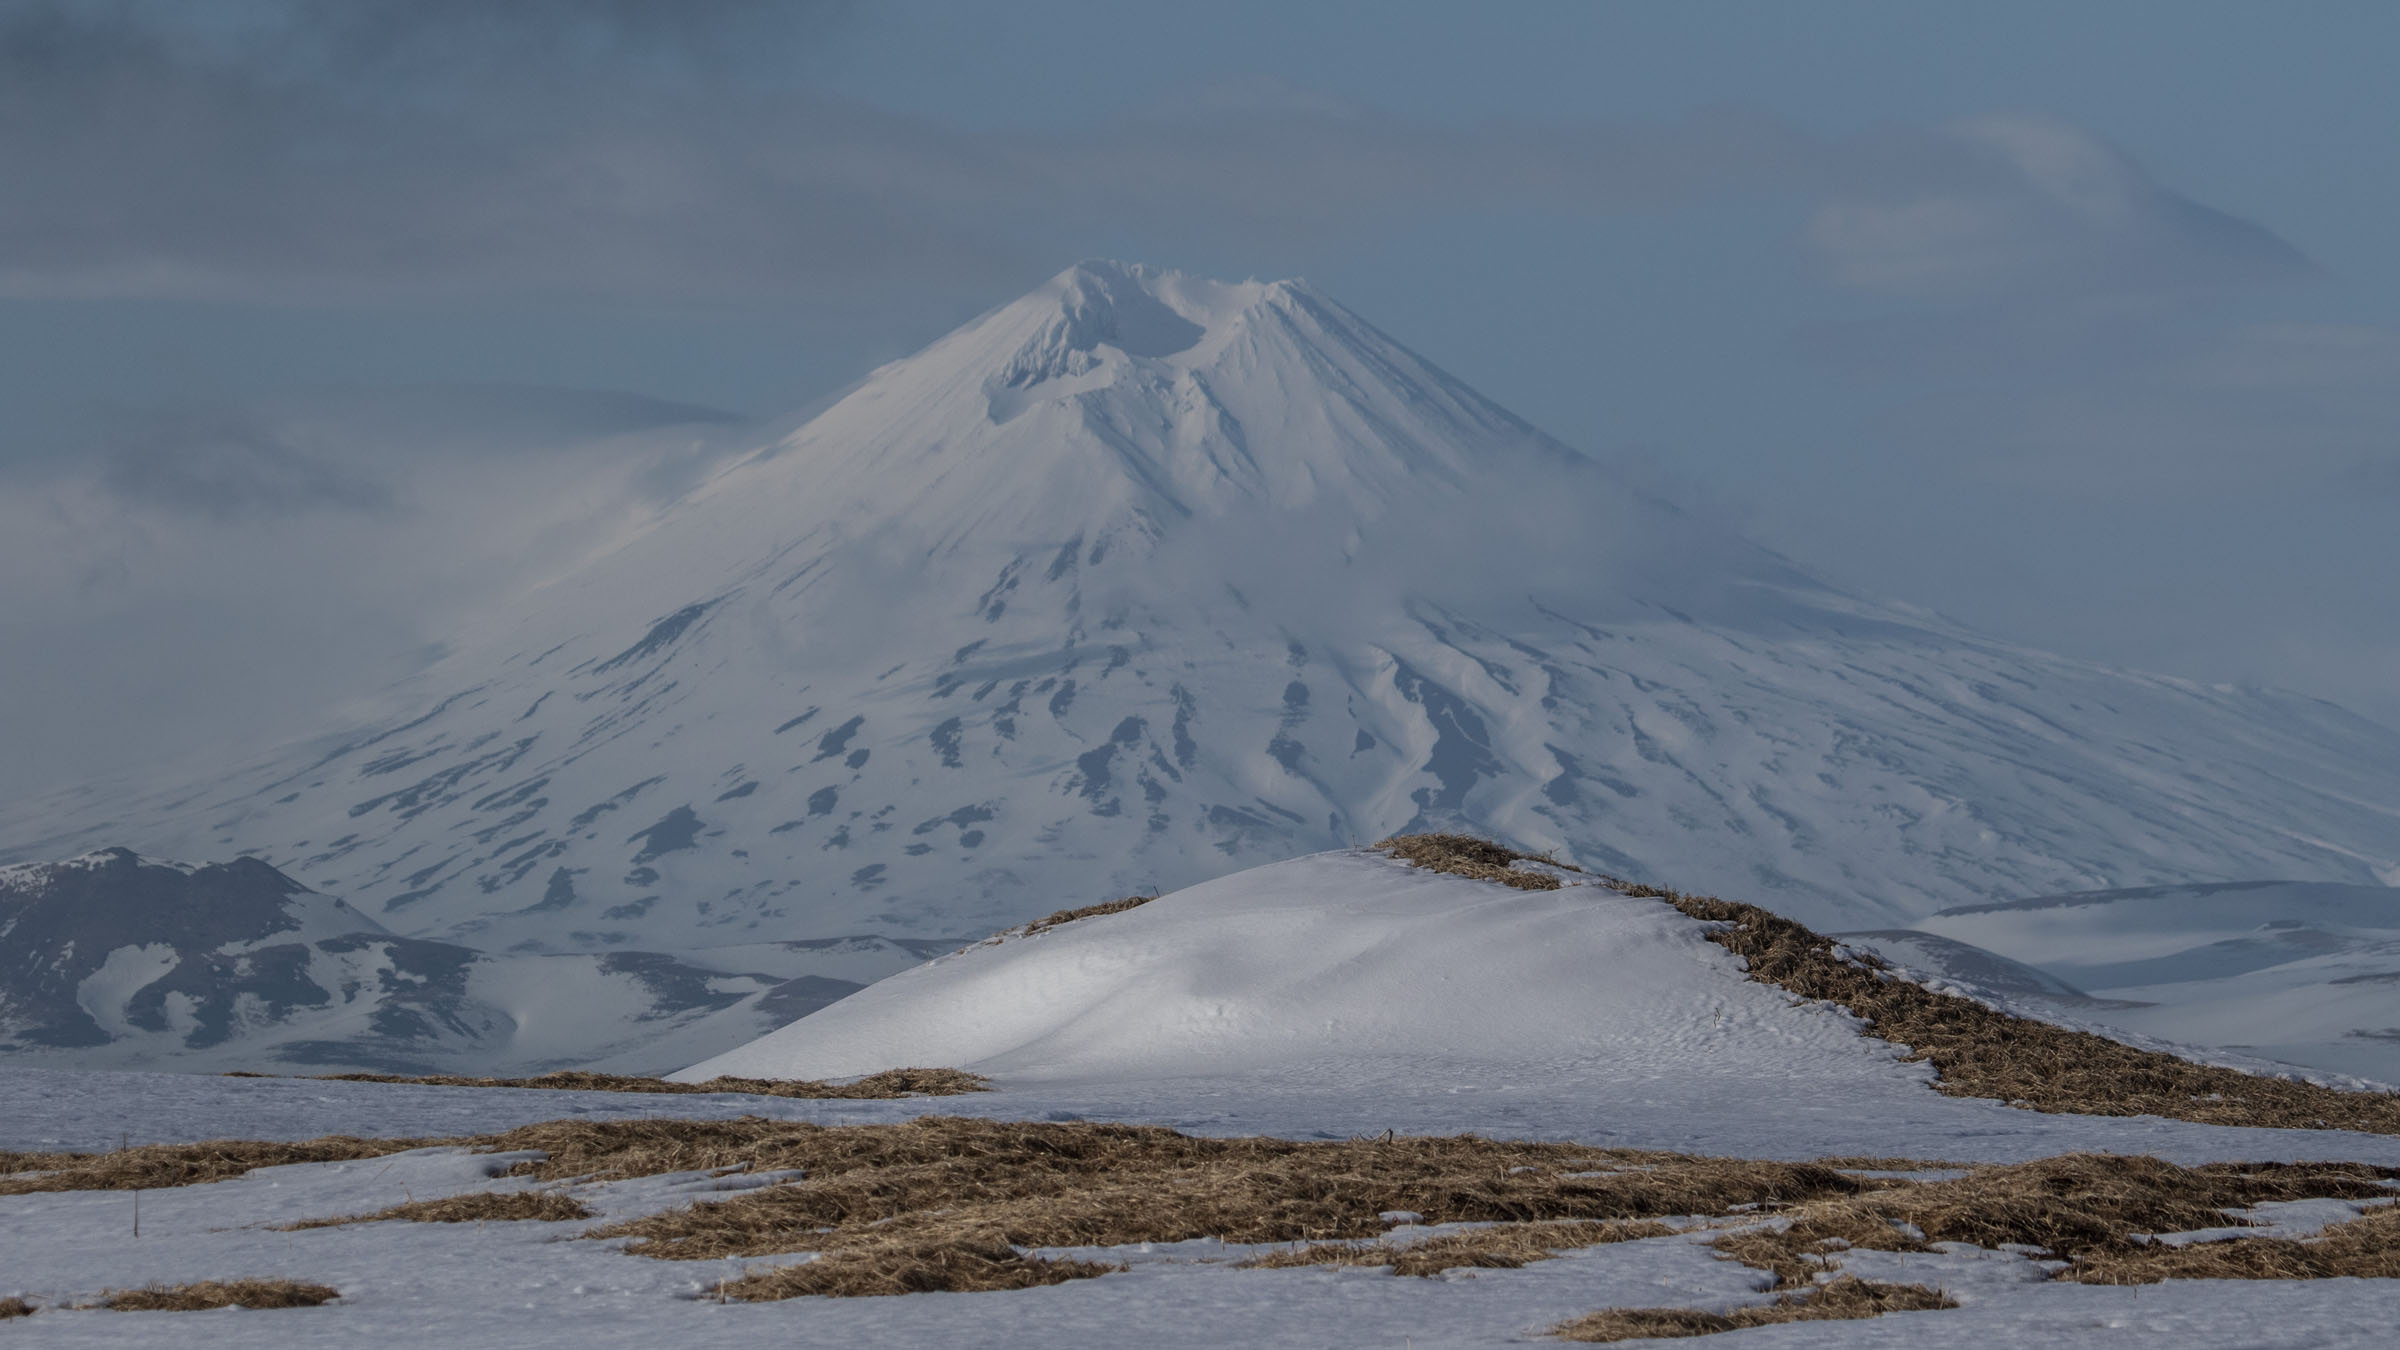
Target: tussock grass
<point>887,1084</point>
<point>14,1307</point>
<point>473,1207</point>
<point>868,1194</point>
<point>208,1294</point>
<point>2090,1209</point>
<point>1499,1247</point>
<point>1843,1299</point>
<point>968,1263</point>
<point>2365,1248</point>
<point>1466,856</point>
<point>1982,1052</point>
<point>156,1166</point>
<point>1087,912</point>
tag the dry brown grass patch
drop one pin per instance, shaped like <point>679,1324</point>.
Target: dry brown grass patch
<point>208,1294</point>
<point>1982,1052</point>
<point>473,1207</point>
<point>1466,856</point>
<point>1499,1247</point>
<point>1876,1162</point>
<point>887,1084</point>
<point>2091,1209</point>
<point>2366,1248</point>
<point>1843,1299</point>
<point>962,1264</point>
<point>934,1182</point>
<point>1087,912</point>
<point>154,1166</point>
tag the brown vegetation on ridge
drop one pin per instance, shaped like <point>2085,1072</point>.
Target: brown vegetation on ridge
<point>1465,855</point>
<point>1976,1051</point>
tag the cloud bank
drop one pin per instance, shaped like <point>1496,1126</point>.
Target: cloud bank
<point>373,149</point>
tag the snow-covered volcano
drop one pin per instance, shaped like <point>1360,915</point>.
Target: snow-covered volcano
<point>1140,579</point>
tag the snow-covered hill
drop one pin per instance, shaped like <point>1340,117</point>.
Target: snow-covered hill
<point>1141,579</point>
<point>119,960</point>
<point>1344,969</point>
<point>2303,973</point>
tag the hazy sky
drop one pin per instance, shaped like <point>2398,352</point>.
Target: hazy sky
<point>2079,322</point>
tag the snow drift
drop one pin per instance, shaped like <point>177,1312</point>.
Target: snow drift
<point>1340,969</point>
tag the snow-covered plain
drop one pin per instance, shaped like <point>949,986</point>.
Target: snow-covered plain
<point>1331,996</point>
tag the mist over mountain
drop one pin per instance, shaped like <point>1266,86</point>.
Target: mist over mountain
<point>1142,578</point>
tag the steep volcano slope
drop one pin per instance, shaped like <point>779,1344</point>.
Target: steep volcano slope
<point>1142,578</point>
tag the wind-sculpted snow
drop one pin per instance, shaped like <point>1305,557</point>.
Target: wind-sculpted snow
<point>1142,579</point>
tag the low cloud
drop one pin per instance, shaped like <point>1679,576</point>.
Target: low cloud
<point>379,149</point>
<point>1994,206</point>
<point>227,464</point>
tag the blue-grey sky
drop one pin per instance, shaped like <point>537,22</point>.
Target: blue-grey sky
<point>2079,322</point>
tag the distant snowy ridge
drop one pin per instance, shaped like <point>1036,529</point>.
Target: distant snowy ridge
<point>2288,972</point>
<point>1140,579</point>
<point>111,959</point>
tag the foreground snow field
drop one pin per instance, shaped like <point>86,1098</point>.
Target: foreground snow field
<point>518,1284</point>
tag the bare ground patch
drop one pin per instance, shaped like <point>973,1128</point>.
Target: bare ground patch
<point>208,1294</point>
<point>473,1207</point>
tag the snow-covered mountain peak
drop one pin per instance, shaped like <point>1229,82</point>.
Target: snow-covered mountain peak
<point>1141,577</point>
<point>1117,400</point>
